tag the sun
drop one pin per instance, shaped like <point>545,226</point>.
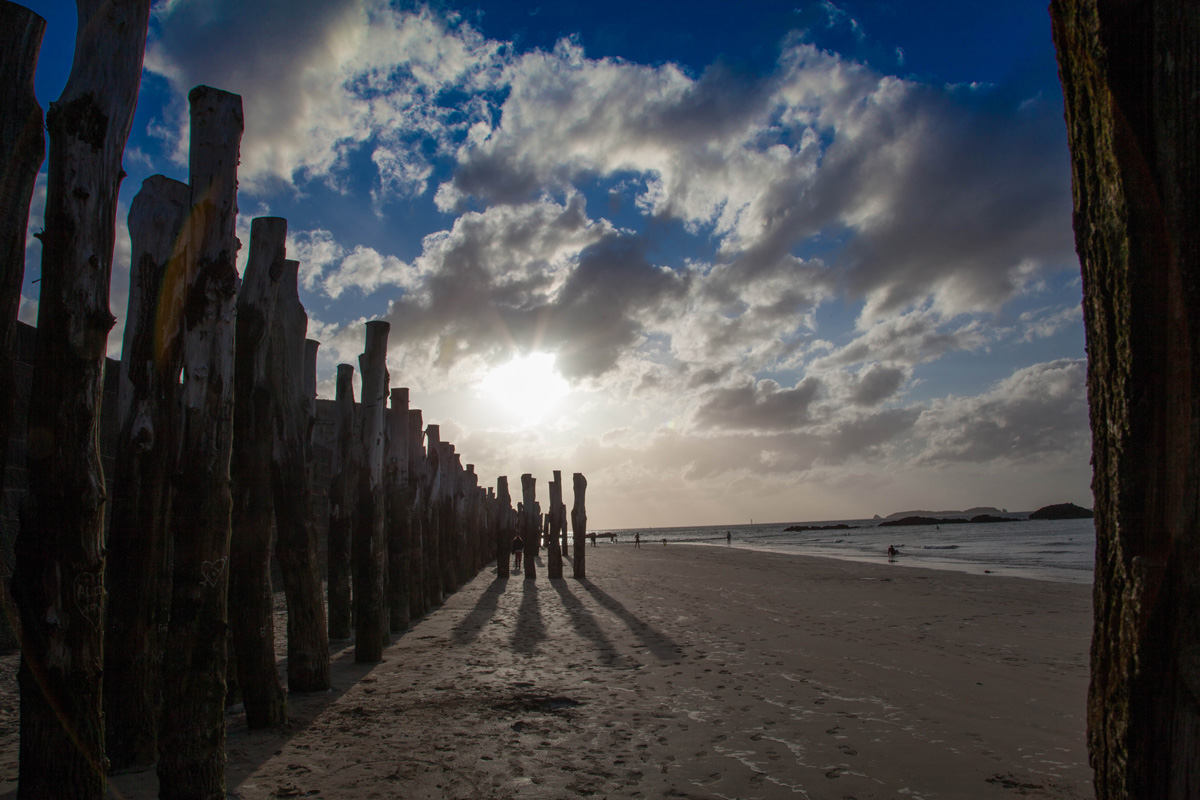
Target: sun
<point>528,387</point>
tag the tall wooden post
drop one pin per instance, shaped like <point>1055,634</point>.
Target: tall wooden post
<point>251,615</point>
<point>418,488</point>
<point>370,543</point>
<point>530,525</point>
<point>504,531</point>
<point>433,549</point>
<point>399,507</point>
<point>343,496</point>
<point>291,456</point>
<point>22,148</point>
<point>554,558</point>
<point>138,576</point>
<point>58,584</point>
<point>1131,76</point>
<point>192,742</point>
<point>579,524</point>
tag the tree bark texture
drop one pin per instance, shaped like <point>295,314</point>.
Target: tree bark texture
<point>296,538</point>
<point>138,575</point>
<point>22,148</point>
<point>554,557</point>
<point>579,524</point>
<point>192,742</point>
<point>251,601</point>
<point>530,525</point>
<point>399,506</point>
<point>504,531</point>
<point>433,552</point>
<point>1131,76</point>
<point>58,584</point>
<point>369,541</point>
<point>417,483</point>
<point>343,494</point>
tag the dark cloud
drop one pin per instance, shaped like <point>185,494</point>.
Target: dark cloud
<point>876,383</point>
<point>764,405</point>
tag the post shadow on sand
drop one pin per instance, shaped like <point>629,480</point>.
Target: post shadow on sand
<point>583,620</point>
<point>530,630</point>
<point>469,627</point>
<point>659,644</point>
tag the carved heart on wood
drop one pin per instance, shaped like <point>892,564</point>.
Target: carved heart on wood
<point>211,571</point>
<point>89,597</point>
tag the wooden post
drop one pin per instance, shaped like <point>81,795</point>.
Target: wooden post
<point>296,537</point>
<point>416,541</point>
<point>554,558</point>
<point>504,531</point>
<point>579,524</point>
<point>192,741</point>
<point>399,507</point>
<point>1131,76</point>
<point>58,584</point>
<point>22,148</point>
<point>370,543</point>
<point>530,525</point>
<point>343,494</point>
<point>433,550</point>
<point>138,575</point>
<point>251,617</point>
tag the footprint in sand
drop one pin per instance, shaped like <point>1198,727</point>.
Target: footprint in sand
<point>847,749</point>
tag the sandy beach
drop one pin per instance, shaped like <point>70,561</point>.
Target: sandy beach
<point>693,672</point>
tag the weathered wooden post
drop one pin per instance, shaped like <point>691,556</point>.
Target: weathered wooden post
<point>554,558</point>
<point>22,148</point>
<point>448,524</point>
<point>192,740</point>
<point>399,508</point>
<point>343,495</point>
<point>433,550</point>
<point>1131,76</point>
<point>251,615</point>
<point>530,525</point>
<point>138,575</point>
<point>58,584</point>
<point>417,481</point>
<point>504,532</point>
<point>370,543</point>
<point>579,524</point>
<point>296,537</point>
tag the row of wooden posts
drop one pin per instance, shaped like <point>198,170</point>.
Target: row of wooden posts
<point>172,605</point>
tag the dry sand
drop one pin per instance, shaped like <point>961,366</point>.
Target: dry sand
<point>695,672</point>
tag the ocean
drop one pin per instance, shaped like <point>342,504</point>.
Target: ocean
<point>1056,550</point>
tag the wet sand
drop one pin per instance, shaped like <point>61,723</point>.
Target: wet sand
<point>696,672</point>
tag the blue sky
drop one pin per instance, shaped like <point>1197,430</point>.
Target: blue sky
<point>811,260</point>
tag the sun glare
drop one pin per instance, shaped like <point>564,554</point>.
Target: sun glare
<point>528,387</point>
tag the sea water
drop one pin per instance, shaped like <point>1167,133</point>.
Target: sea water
<point>1058,550</point>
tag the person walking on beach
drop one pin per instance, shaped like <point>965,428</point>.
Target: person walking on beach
<point>728,537</point>
<point>518,549</point>
<point>637,539</point>
<point>593,540</point>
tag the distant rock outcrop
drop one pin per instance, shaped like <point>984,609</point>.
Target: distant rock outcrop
<point>924,513</point>
<point>888,523</point>
<point>841,526</point>
<point>991,518</point>
<point>1062,511</point>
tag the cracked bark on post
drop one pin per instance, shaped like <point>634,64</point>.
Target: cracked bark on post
<point>399,506</point>
<point>192,743</point>
<point>343,494</point>
<point>369,543</point>
<point>138,573</point>
<point>530,525</point>
<point>58,583</point>
<point>554,558</point>
<point>251,614</point>
<point>291,454</point>
<point>1131,76</point>
<point>22,148</point>
<point>579,524</point>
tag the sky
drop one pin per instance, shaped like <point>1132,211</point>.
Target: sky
<point>772,261</point>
